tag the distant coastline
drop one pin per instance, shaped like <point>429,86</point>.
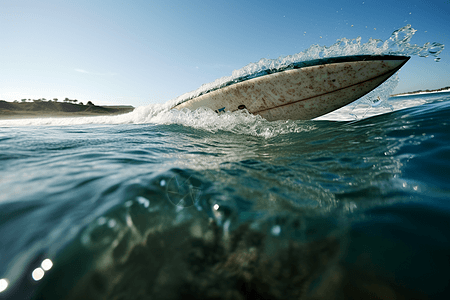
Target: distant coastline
<point>441,90</point>
<point>42,108</point>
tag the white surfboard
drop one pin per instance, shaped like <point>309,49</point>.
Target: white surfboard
<point>303,91</point>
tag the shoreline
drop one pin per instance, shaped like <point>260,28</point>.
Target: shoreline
<point>49,109</point>
<point>37,115</point>
<point>445,90</point>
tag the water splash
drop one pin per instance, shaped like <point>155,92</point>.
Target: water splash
<point>396,44</point>
<point>239,122</point>
<point>375,98</point>
<point>399,44</point>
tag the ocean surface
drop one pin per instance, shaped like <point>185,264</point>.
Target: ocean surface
<point>196,205</point>
<point>168,204</point>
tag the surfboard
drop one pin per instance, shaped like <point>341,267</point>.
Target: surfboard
<point>301,91</point>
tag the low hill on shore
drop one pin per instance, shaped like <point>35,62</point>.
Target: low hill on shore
<point>39,109</point>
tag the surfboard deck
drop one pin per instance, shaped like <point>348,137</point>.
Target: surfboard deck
<point>306,91</point>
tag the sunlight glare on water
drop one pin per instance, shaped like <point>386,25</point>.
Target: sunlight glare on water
<point>3,284</point>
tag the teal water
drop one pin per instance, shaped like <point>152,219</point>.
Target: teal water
<point>205,206</point>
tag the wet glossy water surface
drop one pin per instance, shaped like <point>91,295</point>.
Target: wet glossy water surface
<point>230,206</point>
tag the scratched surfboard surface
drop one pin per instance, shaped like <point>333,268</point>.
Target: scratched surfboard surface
<point>301,91</point>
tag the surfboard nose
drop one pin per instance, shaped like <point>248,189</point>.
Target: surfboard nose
<point>394,62</point>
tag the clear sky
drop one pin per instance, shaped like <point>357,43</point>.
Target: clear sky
<point>142,52</point>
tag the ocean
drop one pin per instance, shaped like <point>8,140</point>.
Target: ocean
<point>168,204</point>
<point>195,205</point>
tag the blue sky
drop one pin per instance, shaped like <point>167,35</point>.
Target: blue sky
<point>142,52</point>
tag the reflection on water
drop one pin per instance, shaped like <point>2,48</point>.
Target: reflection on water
<point>3,284</point>
<point>39,272</point>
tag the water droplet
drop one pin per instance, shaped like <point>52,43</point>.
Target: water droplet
<point>101,221</point>
<point>112,223</point>
<point>276,230</point>
<point>143,201</point>
<point>435,48</point>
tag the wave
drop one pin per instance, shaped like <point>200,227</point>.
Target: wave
<point>371,104</point>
